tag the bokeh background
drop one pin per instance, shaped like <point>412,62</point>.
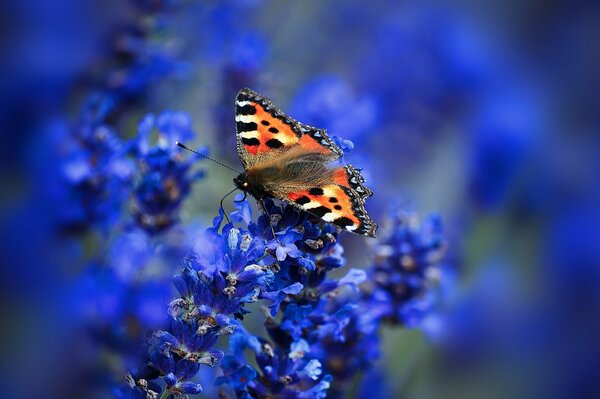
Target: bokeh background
<point>485,112</point>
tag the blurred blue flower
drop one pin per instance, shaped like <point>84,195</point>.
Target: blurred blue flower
<point>328,102</point>
<point>237,374</point>
<point>164,176</point>
<point>295,320</point>
<point>86,178</point>
<point>405,266</point>
<point>282,372</point>
<point>503,130</point>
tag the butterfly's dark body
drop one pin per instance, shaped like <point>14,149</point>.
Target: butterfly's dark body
<point>293,162</point>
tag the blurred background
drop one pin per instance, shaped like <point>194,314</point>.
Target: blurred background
<point>486,113</point>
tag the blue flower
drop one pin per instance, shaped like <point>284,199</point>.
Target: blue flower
<point>319,391</point>
<point>295,320</point>
<point>186,387</point>
<point>277,297</point>
<point>237,374</point>
<point>138,388</point>
<point>214,285</point>
<point>141,57</point>
<point>85,176</point>
<point>405,266</point>
<point>284,245</point>
<point>282,371</point>
<point>502,130</point>
<point>325,101</point>
<point>243,211</point>
<point>347,342</point>
<point>164,176</point>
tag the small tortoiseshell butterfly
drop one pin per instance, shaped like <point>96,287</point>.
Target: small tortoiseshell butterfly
<point>290,161</point>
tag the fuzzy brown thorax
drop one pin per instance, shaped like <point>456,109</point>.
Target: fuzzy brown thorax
<point>295,169</point>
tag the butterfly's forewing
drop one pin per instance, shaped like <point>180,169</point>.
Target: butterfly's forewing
<point>264,132</point>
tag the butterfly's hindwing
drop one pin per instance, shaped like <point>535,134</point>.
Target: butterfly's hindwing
<point>338,203</point>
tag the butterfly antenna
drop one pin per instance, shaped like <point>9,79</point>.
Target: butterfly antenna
<point>207,157</point>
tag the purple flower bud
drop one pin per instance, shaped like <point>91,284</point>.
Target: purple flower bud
<point>190,388</point>
<point>170,379</point>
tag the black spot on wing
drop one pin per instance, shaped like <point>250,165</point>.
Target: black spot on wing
<point>246,126</point>
<point>343,222</point>
<point>338,207</point>
<point>274,143</point>
<point>265,123</point>
<point>273,130</point>
<point>252,142</point>
<point>302,200</point>
<point>333,200</point>
<point>320,211</point>
<point>315,191</point>
<point>245,110</point>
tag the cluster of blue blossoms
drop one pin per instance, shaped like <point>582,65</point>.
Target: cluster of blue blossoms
<point>321,331</point>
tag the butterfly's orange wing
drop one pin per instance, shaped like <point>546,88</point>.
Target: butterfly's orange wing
<point>264,132</point>
<point>341,202</point>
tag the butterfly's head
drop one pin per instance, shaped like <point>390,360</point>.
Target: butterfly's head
<point>246,183</point>
<point>242,182</point>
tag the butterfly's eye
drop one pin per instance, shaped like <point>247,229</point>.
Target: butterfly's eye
<point>245,184</point>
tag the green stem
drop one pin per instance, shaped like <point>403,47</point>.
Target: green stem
<point>354,385</point>
<point>263,256</point>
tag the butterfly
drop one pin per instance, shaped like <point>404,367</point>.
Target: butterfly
<point>294,163</point>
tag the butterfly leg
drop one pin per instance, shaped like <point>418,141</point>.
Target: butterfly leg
<point>264,207</point>
<point>221,204</point>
